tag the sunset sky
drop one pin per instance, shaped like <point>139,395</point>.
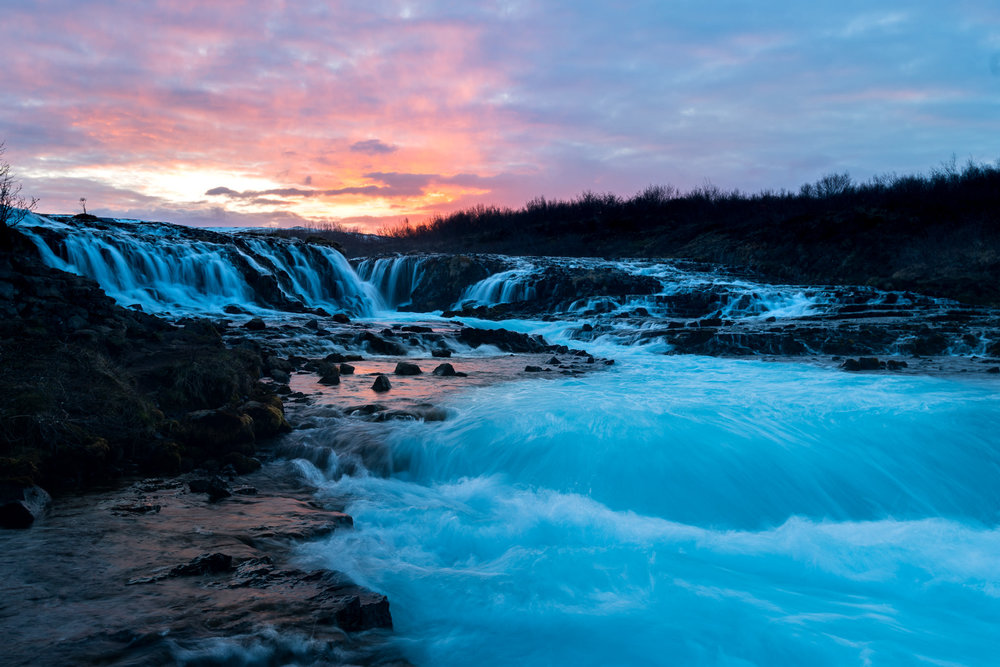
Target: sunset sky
<point>290,112</point>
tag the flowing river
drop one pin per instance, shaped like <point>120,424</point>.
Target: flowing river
<point>667,510</point>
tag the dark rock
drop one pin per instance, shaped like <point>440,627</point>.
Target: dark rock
<point>553,361</point>
<point>280,376</point>
<point>379,345</point>
<point>329,374</point>
<point>277,363</point>
<point>268,418</point>
<point>441,353</point>
<point>993,370</point>
<point>215,487</point>
<point>532,369</point>
<point>341,318</point>
<point>136,508</point>
<point>863,364</point>
<point>407,368</point>
<point>216,563</point>
<point>238,464</point>
<point>256,324</point>
<point>444,370</point>
<point>508,341</point>
<point>21,505</point>
<point>381,384</point>
<point>219,431</point>
<point>895,364</point>
<point>346,369</point>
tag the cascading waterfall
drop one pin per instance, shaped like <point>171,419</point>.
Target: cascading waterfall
<point>166,268</point>
<point>395,278</point>
<point>509,286</point>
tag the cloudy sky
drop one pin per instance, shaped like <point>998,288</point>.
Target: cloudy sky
<point>295,111</point>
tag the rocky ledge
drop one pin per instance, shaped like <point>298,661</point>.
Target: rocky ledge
<point>93,391</point>
<point>160,571</point>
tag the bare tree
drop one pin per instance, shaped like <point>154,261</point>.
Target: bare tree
<point>13,205</point>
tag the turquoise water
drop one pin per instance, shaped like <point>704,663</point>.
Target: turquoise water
<point>685,510</point>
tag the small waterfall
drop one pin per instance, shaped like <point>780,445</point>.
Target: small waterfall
<point>169,268</point>
<point>395,278</point>
<point>504,287</point>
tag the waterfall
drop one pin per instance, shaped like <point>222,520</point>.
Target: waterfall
<point>170,268</point>
<point>395,278</point>
<point>504,287</point>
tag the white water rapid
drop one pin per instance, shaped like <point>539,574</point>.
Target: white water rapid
<point>687,511</point>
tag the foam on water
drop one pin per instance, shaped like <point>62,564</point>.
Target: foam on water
<point>688,511</point>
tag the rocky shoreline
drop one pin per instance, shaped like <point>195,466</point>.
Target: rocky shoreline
<point>152,572</point>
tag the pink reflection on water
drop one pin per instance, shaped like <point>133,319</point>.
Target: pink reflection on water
<point>426,387</point>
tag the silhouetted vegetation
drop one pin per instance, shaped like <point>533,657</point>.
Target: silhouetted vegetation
<point>13,206</point>
<point>938,233</point>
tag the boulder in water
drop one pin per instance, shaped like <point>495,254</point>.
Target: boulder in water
<point>346,369</point>
<point>407,368</point>
<point>381,384</point>
<point>444,370</point>
<point>256,324</point>
<point>863,364</point>
<point>380,345</point>
<point>341,318</point>
<point>532,369</point>
<point>441,353</point>
<point>329,374</point>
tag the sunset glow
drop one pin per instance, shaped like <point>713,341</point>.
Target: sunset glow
<point>267,113</point>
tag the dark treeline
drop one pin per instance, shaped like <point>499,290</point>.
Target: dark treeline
<point>939,233</point>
